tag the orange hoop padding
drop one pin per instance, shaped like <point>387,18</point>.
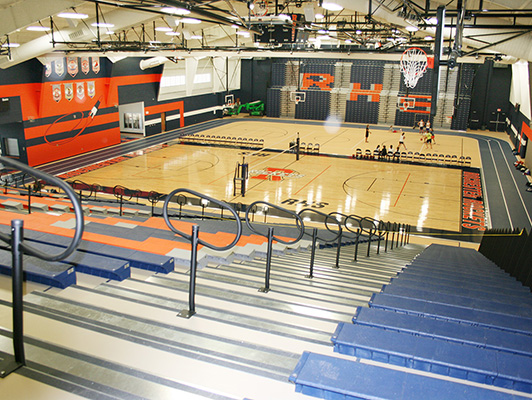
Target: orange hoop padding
<point>430,62</point>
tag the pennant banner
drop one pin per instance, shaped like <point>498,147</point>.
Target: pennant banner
<point>80,91</point>
<point>56,92</point>
<point>69,91</point>
<point>48,69</point>
<point>72,66</point>
<point>59,67</point>
<point>91,89</point>
<point>95,64</point>
<point>85,65</point>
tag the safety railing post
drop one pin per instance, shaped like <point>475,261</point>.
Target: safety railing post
<point>18,247</point>
<point>121,201</point>
<point>408,236</point>
<point>266,287</point>
<point>394,227</point>
<point>356,247</point>
<point>398,234</point>
<point>369,244</point>
<point>29,199</point>
<point>338,249</point>
<point>313,253</point>
<point>192,279</point>
<point>18,341</point>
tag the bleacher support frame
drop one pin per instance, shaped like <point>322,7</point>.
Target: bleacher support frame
<point>19,247</point>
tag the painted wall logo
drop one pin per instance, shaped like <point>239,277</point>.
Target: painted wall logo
<point>374,93</point>
<point>317,81</point>
<point>274,174</point>
<point>473,211</point>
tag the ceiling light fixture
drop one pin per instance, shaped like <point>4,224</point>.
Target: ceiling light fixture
<point>332,6</point>
<point>411,28</point>
<point>428,38</point>
<point>173,33</point>
<point>38,28</point>
<point>163,29</point>
<point>72,15</point>
<point>358,32</point>
<point>102,24</point>
<point>319,16</point>
<point>196,37</point>
<point>11,45</point>
<point>175,10</point>
<point>190,21</point>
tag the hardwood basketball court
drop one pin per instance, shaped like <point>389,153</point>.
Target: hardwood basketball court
<point>423,196</point>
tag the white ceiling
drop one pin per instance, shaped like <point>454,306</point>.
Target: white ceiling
<point>503,27</point>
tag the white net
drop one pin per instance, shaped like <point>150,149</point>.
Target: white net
<point>413,65</point>
<point>259,8</point>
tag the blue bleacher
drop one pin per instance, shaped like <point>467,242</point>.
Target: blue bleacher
<point>446,312</point>
<point>135,258</point>
<point>456,280</point>
<point>478,336</point>
<point>93,264</point>
<point>503,295</point>
<point>498,305</point>
<point>455,360</point>
<point>54,274</point>
<point>334,378</point>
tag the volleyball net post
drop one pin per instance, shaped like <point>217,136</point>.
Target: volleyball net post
<point>241,176</point>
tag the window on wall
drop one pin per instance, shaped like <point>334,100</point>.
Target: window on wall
<point>11,147</point>
<point>202,78</point>
<point>173,80</point>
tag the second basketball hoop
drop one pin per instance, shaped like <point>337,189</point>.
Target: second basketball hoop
<point>413,64</point>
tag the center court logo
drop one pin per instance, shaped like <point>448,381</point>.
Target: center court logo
<point>274,174</point>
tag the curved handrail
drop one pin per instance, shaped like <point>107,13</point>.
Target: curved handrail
<point>380,226</point>
<point>78,232</point>
<point>120,191</point>
<point>299,222</point>
<point>346,218</point>
<point>91,187</point>
<point>154,197</point>
<point>189,237</point>
<point>327,216</point>
<point>358,220</point>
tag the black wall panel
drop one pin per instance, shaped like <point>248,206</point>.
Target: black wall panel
<point>273,103</point>
<point>256,78</point>
<point>316,105</point>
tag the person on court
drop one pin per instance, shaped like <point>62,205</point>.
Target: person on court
<point>367,133</point>
<point>428,139</point>
<point>402,141</point>
<point>421,125</point>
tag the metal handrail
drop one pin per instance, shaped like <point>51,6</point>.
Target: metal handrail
<point>78,211</point>
<point>221,204</point>
<point>315,235</point>
<point>195,240</point>
<point>380,231</point>
<point>18,247</point>
<point>344,220</point>
<point>271,237</point>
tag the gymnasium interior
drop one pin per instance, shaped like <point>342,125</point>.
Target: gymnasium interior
<point>265,199</point>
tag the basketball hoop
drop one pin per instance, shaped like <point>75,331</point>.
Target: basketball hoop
<point>259,8</point>
<point>413,65</point>
<point>298,97</point>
